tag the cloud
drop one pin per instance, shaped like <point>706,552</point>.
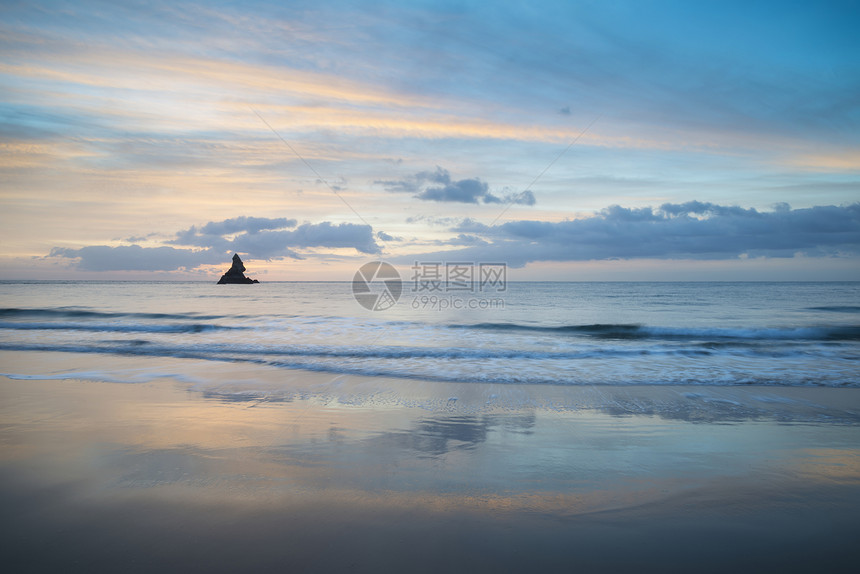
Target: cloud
<point>265,238</point>
<point>326,234</point>
<point>524,198</point>
<point>413,184</point>
<point>387,237</point>
<point>469,225</point>
<point>137,258</point>
<point>438,186</point>
<point>463,191</point>
<point>692,230</point>
<point>432,220</point>
<point>212,234</point>
<point>246,224</point>
<point>464,239</point>
<point>255,237</point>
<point>137,238</point>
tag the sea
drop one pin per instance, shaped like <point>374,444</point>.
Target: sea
<point>528,333</point>
<point>424,426</point>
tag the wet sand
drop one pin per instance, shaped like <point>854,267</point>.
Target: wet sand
<point>237,468</point>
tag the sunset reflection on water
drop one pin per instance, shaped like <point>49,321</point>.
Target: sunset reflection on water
<point>212,463</point>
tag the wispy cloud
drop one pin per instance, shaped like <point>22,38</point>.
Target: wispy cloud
<point>125,118</point>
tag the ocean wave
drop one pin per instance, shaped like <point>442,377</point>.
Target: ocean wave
<point>837,308</point>
<point>404,353</point>
<point>472,371</point>
<point>81,313</point>
<point>633,331</point>
<point>505,353</point>
<point>117,327</point>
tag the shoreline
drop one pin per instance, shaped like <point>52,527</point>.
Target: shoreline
<point>249,382</point>
<point>232,466</point>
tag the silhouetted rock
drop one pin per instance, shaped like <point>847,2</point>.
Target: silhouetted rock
<point>236,273</point>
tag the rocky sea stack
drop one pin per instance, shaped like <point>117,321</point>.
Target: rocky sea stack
<point>236,273</point>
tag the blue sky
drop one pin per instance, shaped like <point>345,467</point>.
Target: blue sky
<point>577,140</point>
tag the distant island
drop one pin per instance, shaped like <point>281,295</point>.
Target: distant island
<point>236,273</point>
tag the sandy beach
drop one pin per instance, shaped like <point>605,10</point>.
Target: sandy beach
<point>232,467</point>
<point>429,287</point>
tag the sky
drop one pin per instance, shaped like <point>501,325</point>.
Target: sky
<point>572,140</point>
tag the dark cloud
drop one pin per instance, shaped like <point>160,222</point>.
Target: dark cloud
<point>265,238</point>
<point>463,191</point>
<point>464,239</point>
<point>524,198</point>
<point>326,234</point>
<point>469,225</point>
<point>415,183</point>
<point>137,258</point>
<point>246,225</point>
<point>386,237</point>
<point>692,230</point>
<point>137,238</point>
<point>211,234</point>
<point>263,245</point>
<point>439,186</point>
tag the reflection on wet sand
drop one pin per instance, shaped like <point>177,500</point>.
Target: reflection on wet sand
<point>438,436</point>
<point>165,475</point>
